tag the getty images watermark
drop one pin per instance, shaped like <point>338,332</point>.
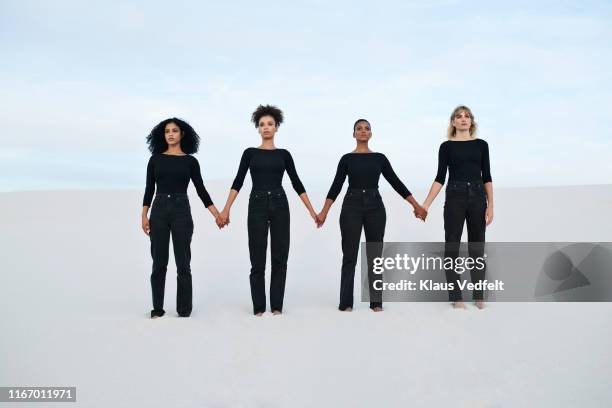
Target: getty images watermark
<point>505,271</point>
<point>412,265</point>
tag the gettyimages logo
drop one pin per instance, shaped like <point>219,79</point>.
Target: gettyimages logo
<point>412,265</point>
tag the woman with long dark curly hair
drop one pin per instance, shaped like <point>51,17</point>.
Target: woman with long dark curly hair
<point>172,143</point>
<point>363,209</point>
<point>469,196</point>
<point>268,208</point>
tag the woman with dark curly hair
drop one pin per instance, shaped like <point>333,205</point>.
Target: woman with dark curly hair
<point>171,166</point>
<point>363,209</point>
<point>268,208</point>
<point>469,196</point>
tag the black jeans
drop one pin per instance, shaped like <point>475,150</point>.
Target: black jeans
<point>361,208</point>
<point>171,215</point>
<point>465,202</point>
<point>268,209</point>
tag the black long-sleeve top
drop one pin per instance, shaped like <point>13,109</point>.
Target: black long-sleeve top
<point>267,169</point>
<point>364,170</point>
<point>172,174</point>
<point>466,161</point>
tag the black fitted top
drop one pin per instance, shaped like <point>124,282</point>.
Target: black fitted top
<point>172,175</point>
<point>466,161</point>
<point>364,170</point>
<point>267,169</point>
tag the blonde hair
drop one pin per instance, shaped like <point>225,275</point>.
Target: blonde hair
<point>451,131</point>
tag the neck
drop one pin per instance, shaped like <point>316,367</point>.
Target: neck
<point>362,147</point>
<point>174,149</point>
<point>463,135</point>
<point>267,144</point>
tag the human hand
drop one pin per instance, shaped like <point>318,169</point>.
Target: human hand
<point>313,215</point>
<point>145,225</point>
<point>489,215</point>
<point>320,218</point>
<point>223,218</point>
<point>219,221</point>
<point>420,213</point>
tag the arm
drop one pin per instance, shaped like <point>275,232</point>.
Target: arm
<point>298,186</point>
<point>323,214</point>
<point>334,190</point>
<point>401,189</point>
<point>436,186</point>
<point>485,166</point>
<point>145,220</point>
<point>489,213</point>
<point>433,193</point>
<point>224,215</point>
<point>293,176</point>
<point>148,196</point>
<point>311,211</point>
<point>245,161</point>
<point>488,183</point>
<point>196,178</point>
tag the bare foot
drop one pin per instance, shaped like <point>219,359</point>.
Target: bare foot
<point>155,317</point>
<point>377,309</point>
<point>259,314</point>
<point>348,309</point>
<point>276,312</point>
<point>459,304</point>
<point>480,304</point>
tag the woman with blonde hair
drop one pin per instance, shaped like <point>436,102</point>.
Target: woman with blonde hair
<point>469,196</point>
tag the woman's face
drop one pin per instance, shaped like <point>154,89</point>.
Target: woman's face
<point>267,127</point>
<point>462,121</point>
<point>362,132</point>
<point>172,133</point>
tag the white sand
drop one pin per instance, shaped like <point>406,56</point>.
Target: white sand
<point>75,298</point>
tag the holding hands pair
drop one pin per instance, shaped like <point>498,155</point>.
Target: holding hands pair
<point>222,219</point>
<point>419,212</point>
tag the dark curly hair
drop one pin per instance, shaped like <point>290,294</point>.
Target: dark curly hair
<point>190,141</point>
<point>359,121</point>
<point>267,110</point>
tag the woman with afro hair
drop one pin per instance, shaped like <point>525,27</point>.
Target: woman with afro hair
<point>172,143</point>
<point>268,208</point>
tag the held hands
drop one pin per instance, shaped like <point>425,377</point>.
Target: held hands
<point>222,219</point>
<point>315,218</point>
<point>420,212</point>
<point>320,218</point>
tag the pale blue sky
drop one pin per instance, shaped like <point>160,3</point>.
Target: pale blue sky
<point>82,85</point>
